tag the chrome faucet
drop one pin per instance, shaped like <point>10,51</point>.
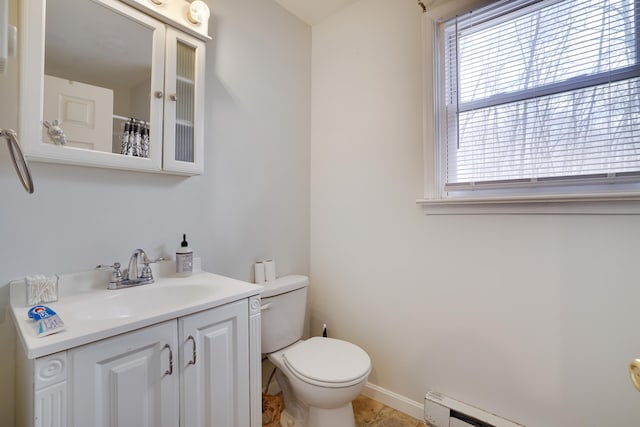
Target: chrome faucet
<point>132,272</point>
<point>130,276</point>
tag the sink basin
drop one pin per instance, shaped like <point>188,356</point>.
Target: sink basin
<point>132,302</point>
<point>174,294</point>
<point>103,312</point>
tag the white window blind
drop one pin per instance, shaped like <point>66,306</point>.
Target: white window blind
<point>542,96</point>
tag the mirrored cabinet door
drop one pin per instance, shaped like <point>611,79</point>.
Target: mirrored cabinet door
<point>88,81</point>
<point>185,103</point>
<point>111,87</point>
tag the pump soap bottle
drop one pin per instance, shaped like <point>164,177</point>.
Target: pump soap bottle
<point>184,258</point>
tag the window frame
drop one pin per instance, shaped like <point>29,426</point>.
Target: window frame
<point>436,200</point>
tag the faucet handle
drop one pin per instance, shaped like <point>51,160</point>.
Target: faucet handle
<point>116,275</point>
<point>146,269</point>
<point>115,266</point>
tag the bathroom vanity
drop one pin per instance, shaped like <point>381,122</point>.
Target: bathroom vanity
<point>180,351</point>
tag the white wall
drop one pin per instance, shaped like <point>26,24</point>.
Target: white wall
<point>252,201</point>
<point>532,317</point>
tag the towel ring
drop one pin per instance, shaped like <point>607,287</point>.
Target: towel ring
<point>19,162</point>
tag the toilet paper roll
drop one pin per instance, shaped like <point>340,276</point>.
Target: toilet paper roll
<point>270,270</point>
<point>259,272</point>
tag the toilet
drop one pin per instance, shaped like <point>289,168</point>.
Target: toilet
<point>319,377</point>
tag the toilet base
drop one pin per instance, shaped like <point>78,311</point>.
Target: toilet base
<point>286,420</point>
<point>337,417</point>
<point>318,417</point>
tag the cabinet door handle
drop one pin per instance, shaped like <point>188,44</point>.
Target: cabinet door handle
<point>159,94</point>
<point>193,359</point>
<point>173,97</point>
<point>170,370</point>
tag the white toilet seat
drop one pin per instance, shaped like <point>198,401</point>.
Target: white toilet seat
<point>327,362</point>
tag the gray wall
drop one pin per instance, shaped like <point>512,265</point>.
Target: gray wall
<point>252,201</point>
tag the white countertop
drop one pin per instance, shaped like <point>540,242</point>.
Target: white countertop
<point>90,312</point>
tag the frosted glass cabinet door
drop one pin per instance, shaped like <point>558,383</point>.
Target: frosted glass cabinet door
<point>184,104</point>
<point>214,362</point>
<point>130,380</point>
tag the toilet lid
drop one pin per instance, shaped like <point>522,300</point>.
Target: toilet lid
<point>328,360</point>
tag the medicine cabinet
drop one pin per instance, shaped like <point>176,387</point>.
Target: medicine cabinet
<point>123,81</point>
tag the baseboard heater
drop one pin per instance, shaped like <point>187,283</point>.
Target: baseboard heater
<point>443,411</point>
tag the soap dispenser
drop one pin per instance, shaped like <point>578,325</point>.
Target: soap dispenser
<point>184,258</point>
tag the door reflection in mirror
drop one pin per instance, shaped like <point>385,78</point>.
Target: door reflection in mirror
<point>97,70</point>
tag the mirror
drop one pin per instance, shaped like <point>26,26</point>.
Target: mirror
<point>91,66</point>
<point>97,77</point>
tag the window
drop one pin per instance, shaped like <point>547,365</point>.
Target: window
<point>540,97</point>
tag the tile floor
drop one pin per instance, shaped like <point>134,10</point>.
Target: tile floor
<point>370,413</point>
<point>367,412</point>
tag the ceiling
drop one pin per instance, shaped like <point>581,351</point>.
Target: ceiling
<point>314,11</point>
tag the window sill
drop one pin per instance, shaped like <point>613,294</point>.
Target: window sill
<point>587,204</point>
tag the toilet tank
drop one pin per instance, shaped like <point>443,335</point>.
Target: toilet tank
<point>284,303</point>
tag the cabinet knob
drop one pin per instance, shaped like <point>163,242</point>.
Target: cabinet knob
<point>159,94</point>
<point>173,97</point>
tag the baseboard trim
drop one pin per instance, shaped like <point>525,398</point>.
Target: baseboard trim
<point>394,400</point>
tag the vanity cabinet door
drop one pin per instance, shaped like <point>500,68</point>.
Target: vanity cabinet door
<point>128,380</point>
<point>214,360</point>
<point>184,103</point>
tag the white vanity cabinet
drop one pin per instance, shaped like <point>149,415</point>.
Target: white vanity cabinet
<point>214,363</point>
<point>42,392</point>
<point>127,380</point>
<point>197,370</point>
